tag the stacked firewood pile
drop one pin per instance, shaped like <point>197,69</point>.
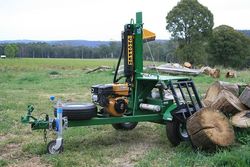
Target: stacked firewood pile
<point>216,73</point>
<point>225,106</point>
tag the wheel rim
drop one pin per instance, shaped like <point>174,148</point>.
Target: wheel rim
<point>127,123</point>
<point>183,131</point>
<point>52,150</point>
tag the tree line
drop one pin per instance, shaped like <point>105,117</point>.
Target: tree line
<point>45,50</point>
<point>161,50</point>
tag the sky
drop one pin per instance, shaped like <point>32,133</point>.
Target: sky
<point>102,20</point>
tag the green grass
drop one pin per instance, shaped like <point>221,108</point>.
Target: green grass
<point>39,64</point>
<point>32,81</point>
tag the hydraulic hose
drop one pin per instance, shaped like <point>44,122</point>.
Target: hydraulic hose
<point>118,64</point>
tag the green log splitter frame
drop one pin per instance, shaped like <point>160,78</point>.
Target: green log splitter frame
<point>167,100</point>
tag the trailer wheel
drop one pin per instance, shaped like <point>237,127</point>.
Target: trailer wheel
<point>176,132</point>
<point>51,150</point>
<point>125,125</point>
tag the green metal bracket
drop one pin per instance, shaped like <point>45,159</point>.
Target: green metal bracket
<point>40,124</point>
<point>132,21</point>
<point>35,123</point>
<point>29,118</point>
<point>167,116</point>
<point>111,120</point>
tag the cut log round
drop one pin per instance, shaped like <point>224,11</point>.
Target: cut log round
<point>226,102</point>
<point>231,74</point>
<point>215,73</point>
<point>241,119</point>
<point>245,97</point>
<point>187,64</point>
<point>214,90</point>
<point>209,129</point>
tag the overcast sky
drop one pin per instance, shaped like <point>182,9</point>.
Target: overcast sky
<point>101,19</point>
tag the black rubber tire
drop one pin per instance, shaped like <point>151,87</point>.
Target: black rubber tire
<point>125,126</point>
<point>78,111</point>
<point>50,150</point>
<point>175,132</point>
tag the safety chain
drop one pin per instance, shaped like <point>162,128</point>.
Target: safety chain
<point>45,136</point>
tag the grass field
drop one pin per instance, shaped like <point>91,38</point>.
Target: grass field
<point>32,81</point>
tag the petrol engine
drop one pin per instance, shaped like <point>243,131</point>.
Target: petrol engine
<point>112,97</point>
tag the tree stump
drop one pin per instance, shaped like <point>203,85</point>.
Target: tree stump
<point>245,97</point>
<point>227,103</point>
<point>209,129</point>
<point>214,90</point>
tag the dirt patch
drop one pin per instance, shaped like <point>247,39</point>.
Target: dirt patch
<point>3,137</point>
<point>134,153</point>
<point>10,150</point>
<point>8,145</point>
<point>32,162</point>
<point>13,151</point>
<point>140,146</point>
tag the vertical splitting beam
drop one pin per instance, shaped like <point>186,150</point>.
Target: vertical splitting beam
<point>138,45</point>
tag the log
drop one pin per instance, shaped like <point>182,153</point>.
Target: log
<point>241,119</point>
<point>213,72</point>
<point>100,68</point>
<point>242,86</point>
<point>231,74</point>
<point>214,90</point>
<point>227,103</point>
<point>245,97</point>
<point>209,129</point>
<point>187,65</point>
<point>206,70</point>
<point>177,69</point>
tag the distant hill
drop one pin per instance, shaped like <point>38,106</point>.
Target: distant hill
<point>62,42</point>
<point>79,43</point>
<point>246,32</point>
<point>67,42</point>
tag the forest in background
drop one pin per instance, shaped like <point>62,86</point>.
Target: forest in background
<point>161,50</point>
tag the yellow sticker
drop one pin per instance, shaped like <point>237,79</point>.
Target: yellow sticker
<point>130,50</point>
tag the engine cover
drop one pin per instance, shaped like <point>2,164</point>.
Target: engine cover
<point>100,94</point>
<point>117,106</point>
<point>103,93</point>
